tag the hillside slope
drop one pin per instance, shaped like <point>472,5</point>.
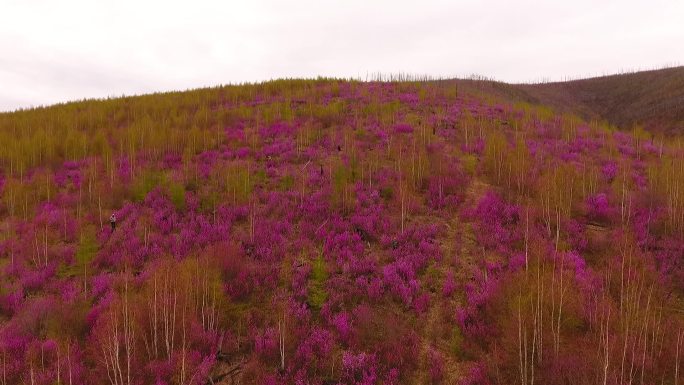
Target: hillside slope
<point>334,232</point>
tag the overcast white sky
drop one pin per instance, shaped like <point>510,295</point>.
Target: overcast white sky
<point>53,51</point>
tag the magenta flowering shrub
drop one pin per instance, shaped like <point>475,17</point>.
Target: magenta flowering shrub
<point>476,147</point>
<point>14,344</point>
<point>477,375</point>
<point>599,208</point>
<point>315,349</point>
<point>472,317</point>
<point>58,221</point>
<point>276,130</point>
<point>278,152</point>
<point>421,303</point>
<point>124,170</point>
<point>403,128</point>
<point>124,246</point>
<point>417,245</point>
<point>236,271</point>
<point>582,145</point>
<point>670,264</point>
<point>172,161</point>
<point>644,221</point>
<point>206,161</point>
<point>400,279</point>
<point>98,307</point>
<point>496,223</point>
<point>577,236</point>
<point>584,276</point>
<point>69,175</point>
<point>300,277</point>
<point>359,369</point>
<point>342,324</point>
<point>445,191</point>
<point>371,286</point>
<point>449,285</point>
<point>411,251</point>
<point>436,370</point>
<point>368,219</point>
<point>409,98</point>
<point>11,300</point>
<point>268,241</point>
<point>347,250</point>
<point>447,187</point>
<point>35,280</point>
<point>609,171</point>
<point>164,214</point>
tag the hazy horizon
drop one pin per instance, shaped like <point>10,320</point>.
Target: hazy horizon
<point>77,50</point>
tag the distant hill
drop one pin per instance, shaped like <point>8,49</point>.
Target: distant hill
<point>654,99</point>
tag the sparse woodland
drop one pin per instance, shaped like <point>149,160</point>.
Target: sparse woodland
<point>337,232</point>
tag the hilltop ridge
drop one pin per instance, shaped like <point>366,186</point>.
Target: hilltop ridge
<point>653,99</point>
